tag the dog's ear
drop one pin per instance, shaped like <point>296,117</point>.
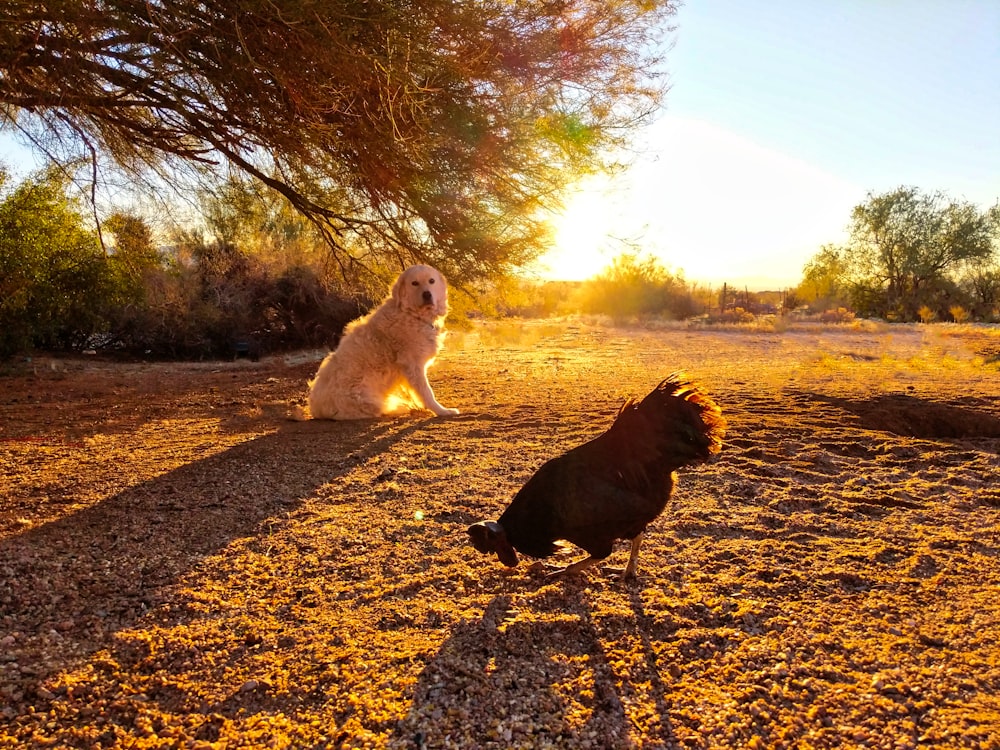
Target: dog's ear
<point>441,308</point>
<point>397,289</point>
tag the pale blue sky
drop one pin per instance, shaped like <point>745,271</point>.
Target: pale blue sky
<point>781,117</point>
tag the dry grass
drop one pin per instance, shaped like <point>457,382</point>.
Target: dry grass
<point>181,566</point>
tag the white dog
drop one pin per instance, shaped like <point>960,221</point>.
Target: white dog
<point>380,366</point>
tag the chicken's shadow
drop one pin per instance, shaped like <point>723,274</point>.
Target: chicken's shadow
<point>537,673</point>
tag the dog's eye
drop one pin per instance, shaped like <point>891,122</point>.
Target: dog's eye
<point>431,281</point>
<point>415,283</point>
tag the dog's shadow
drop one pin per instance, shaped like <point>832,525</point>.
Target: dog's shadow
<point>96,571</point>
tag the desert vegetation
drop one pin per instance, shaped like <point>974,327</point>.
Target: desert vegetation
<point>436,134</point>
<point>183,566</point>
<point>911,256</point>
<point>254,276</point>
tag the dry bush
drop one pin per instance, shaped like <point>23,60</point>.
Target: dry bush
<point>733,315</point>
<point>224,303</point>
<point>838,315</point>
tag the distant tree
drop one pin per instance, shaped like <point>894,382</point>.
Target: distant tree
<point>433,131</point>
<point>54,277</point>
<point>134,253</point>
<point>258,220</point>
<point>982,284</point>
<point>905,246</point>
<point>823,280</point>
<point>980,276</point>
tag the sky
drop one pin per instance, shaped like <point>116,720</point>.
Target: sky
<point>783,116</point>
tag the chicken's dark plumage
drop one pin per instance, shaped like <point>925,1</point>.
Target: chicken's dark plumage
<point>611,487</point>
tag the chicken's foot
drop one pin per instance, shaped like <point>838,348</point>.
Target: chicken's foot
<point>573,569</point>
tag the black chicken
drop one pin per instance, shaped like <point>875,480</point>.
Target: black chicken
<point>611,487</point>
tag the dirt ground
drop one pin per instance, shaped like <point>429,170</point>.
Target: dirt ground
<point>183,567</point>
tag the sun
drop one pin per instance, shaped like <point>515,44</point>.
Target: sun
<point>583,237</point>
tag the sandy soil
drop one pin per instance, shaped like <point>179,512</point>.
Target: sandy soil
<point>182,567</point>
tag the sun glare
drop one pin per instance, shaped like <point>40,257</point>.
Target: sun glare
<point>706,203</point>
<point>583,244</point>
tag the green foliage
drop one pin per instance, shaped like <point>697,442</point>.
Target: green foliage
<point>54,278</point>
<point>822,285</point>
<point>905,248</point>
<point>60,291</point>
<point>980,280</point>
<point>911,256</point>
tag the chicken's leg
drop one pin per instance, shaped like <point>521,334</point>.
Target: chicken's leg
<point>633,557</point>
<point>581,565</point>
<point>629,571</point>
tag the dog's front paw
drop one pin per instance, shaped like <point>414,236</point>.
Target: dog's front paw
<point>447,412</point>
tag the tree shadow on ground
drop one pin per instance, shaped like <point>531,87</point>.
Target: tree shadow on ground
<point>909,416</point>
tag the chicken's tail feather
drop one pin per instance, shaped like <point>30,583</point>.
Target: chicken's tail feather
<point>676,419</point>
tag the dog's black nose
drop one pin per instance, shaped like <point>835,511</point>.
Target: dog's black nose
<point>428,297</point>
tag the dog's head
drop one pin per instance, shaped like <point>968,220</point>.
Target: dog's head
<point>422,290</point>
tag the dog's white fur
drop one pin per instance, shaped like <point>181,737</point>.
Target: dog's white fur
<point>380,366</point>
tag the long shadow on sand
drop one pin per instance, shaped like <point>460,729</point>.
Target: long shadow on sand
<point>96,571</point>
<point>909,416</point>
<point>546,655</point>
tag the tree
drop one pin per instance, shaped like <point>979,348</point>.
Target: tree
<point>261,223</point>
<point>53,275</point>
<point>435,131</point>
<point>134,254</point>
<point>905,246</point>
<point>823,279</point>
<point>980,276</point>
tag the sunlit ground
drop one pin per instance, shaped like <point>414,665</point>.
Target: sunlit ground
<point>183,566</point>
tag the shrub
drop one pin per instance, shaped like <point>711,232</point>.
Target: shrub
<point>838,315</point>
<point>634,287</point>
<point>222,303</point>
<point>733,315</point>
